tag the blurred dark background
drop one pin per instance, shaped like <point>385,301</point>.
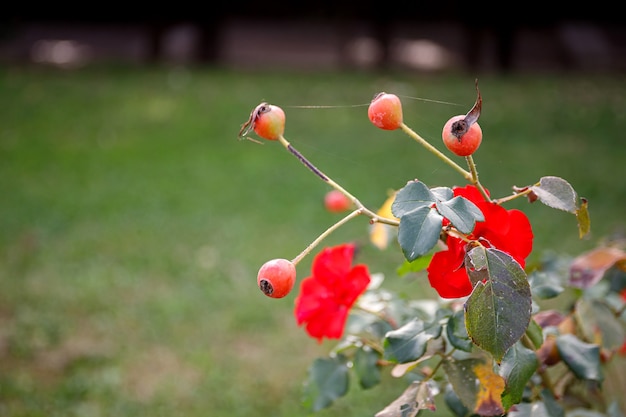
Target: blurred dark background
<point>426,36</point>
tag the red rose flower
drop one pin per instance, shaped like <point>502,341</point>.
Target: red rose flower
<point>328,294</point>
<point>506,230</point>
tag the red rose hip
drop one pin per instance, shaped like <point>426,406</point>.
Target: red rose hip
<point>385,111</point>
<point>336,202</point>
<point>267,121</point>
<point>270,123</point>
<point>461,138</point>
<point>276,277</point>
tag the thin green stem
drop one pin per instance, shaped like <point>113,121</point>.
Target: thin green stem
<point>317,171</point>
<point>361,209</point>
<point>438,365</point>
<point>369,213</point>
<point>455,233</point>
<point>513,196</point>
<point>474,180</point>
<point>380,315</point>
<point>467,175</point>
<point>545,378</point>
<point>326,233</point>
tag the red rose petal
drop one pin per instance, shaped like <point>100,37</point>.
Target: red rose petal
<point>328,294</point>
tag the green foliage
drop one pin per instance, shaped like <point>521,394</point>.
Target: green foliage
<point>508,357</point>
<point>421,212</point>
<point>456,332</point>
<point>366,367</point>
<point>582,358</point>
<point>518,366</point>
<point>328,380</point>
<point>497,313</point>
<point>408,343</point>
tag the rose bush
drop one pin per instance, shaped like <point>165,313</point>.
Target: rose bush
<point>486,344</point>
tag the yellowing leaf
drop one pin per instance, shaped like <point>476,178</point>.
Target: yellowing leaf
<point>401,369</point>
<point>584,222</point>
<point>490,389</point>
<point>380,233</point>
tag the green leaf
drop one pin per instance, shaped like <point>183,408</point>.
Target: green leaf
<point>551,403</point>
<point>419,232</point>
<point>462,213</point>
<point>328,380</point>
<point>545,284</point>
<point>442,193</point>
<point>457,333</point>
<point>366,367</point>
<point>583,359</point>
<point>421,211</point>
<point>413,196</point>
<point>497,312</point>
<point>557,193</point>
<point>408,343</point>
<point>595,316</point>
<point>454,403</point>
<point>517,367</point>
<point>535,334</point>
<point>416,265</point>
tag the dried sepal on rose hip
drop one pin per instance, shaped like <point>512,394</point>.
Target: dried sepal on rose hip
<point>266,120</point>
<point>276,277</point>
<point>385,111</point>
<point>462,134</point>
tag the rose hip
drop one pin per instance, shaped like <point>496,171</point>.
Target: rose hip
<point>336,201</point>
<point>267,121</point>
<point>276,277</point>
<point>461,138</point>
<point>385,111</point>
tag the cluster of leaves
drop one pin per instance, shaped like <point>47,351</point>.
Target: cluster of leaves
<point>490,357</point>
<point>496,351</point>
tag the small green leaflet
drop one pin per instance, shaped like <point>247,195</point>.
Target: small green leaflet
<point>408,343</point>
<point>421,212</point>
<point>328,380</point>
<point>557,193</point>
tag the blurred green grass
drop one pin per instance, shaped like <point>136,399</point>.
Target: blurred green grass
<point>133,222</point>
